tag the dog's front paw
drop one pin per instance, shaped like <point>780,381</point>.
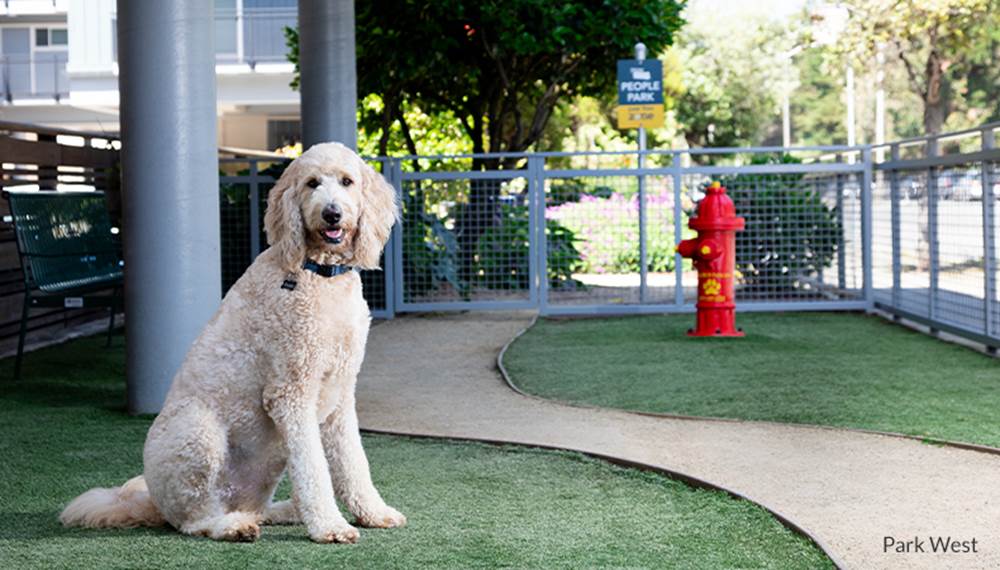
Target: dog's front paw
<point>384,517</point>
<point>343,534</point>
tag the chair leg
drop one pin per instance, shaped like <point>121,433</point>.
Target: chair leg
<point>20,338</point>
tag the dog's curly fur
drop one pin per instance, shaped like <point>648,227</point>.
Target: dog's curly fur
<point>268,387</point>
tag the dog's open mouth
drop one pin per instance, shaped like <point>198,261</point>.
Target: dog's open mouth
<point>333,235</point>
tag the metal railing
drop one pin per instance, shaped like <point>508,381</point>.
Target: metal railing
<point>253,35</point>
<point>908,228</point>
<point>42,75</point>
<point>935,251</point>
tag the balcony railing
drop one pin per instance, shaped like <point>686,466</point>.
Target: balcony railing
<point>41,75</point>
<point>253,35</point>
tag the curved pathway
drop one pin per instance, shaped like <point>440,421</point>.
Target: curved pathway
<point>437,376</point>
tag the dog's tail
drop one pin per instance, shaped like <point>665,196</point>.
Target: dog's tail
<point>118,507</point>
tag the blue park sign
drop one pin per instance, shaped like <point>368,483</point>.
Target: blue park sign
<point>640,82</point>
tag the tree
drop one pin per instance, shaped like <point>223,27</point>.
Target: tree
<point>817,104</point>
<point>499,67</point>
<point>730,82</point>
<point>938,43</point>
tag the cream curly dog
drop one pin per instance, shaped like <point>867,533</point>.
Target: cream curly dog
<point>269,384</point>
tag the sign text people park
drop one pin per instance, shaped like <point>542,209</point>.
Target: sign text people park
<point>640,93</point>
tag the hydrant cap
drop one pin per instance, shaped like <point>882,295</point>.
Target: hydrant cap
<point>716,211</point>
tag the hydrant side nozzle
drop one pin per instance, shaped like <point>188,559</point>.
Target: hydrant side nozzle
<point>688,248</point>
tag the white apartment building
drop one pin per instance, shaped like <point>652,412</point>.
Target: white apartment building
<point>59,67</point>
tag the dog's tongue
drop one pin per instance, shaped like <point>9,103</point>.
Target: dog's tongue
<point>334,234</point>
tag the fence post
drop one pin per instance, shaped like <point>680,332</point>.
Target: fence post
<point>989,238</point>
<point>897,266</point>
<point>866,227</point>
<point>643,246</point>
<point>535,263</point>
<point>389,257</point>
<point>254,210</point>
<point>398,285</point>
<point>678,228</point>
<point>536,180</point>
<point>841,242</point>
<point>932,151</point>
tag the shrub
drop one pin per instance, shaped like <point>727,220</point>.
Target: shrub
<point>790,232</point>
<point>608,230</point>
<point>502,253</point>
<point>430,254</point>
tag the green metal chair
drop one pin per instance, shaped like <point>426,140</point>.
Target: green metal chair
<point>68,254</point>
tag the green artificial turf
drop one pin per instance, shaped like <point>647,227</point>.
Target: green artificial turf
<point>469,505</point>
<point>837,369</point>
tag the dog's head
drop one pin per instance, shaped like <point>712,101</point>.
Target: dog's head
<point>331,207</point>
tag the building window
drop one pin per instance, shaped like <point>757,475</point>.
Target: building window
<point>282,133</point>
<point>45,37</point>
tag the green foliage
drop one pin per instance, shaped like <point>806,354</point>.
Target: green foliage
<point>730,83</point>
<point>431,254</point>
<point>938,45</point>
<point>499,67</point>
<point>502,253</point>
<point>817,105</point>
<point>791,233</point>
<point>292,43</point>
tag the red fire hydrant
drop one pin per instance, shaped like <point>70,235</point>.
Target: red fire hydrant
<point>714,255</point>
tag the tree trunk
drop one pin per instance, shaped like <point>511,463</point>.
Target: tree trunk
<point>937,106</point>
<point>937,103</point>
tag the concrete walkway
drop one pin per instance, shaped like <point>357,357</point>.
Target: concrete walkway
<point>437,376</point>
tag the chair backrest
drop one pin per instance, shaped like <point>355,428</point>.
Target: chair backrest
<point>65,237</point>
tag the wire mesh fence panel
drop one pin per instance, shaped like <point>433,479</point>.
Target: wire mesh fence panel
<point>802,240</point>
<point>234,224</point>
<point>958,297</point>
<point>661,282</point>
<point>850,252</point>
<point>487,231</point>
<point>991,187</point>
<point>465,240</point>
<point>882,236</point>
<point>592,239</point>
<point>914,242</point>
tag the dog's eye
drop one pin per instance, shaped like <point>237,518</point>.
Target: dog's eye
<point>313,183</point>
<point>345,181</point>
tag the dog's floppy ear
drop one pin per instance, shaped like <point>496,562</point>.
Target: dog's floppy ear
<point>283,220</point>
<point>379,212</point>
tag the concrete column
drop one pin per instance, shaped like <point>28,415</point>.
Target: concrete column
<point>329,80</point>
<point>171,187</point>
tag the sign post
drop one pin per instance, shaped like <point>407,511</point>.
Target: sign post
<point>640,100</point>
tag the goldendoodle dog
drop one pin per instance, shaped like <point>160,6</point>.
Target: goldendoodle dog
<point>268,387</point>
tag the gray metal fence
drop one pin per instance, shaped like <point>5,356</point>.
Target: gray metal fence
<point>908,228</point>
<point>935,228</point>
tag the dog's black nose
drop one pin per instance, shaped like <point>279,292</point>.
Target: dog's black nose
<point>331,214</point>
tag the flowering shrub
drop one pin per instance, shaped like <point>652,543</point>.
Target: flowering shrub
<point>607,230</point>
<point>502,253</point>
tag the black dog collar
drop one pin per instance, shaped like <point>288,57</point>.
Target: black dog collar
<point>327,270</point>
<point>319,269</point>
